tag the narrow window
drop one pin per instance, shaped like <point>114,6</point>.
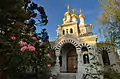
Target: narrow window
<point>85,55</point>
<point>86,59</point>
<point>63,32</point>
<point>60,60</point>
<point>105,58</point>
<point>71,30</point>
<point>67,31</point>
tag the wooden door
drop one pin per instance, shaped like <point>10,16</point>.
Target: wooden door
<point>72,63</point>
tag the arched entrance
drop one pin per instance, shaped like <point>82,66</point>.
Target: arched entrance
<point>68,58</point>
<point>105,58</point>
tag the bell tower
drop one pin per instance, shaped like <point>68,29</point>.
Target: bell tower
<point>85,29</point>
<point>71,26</point>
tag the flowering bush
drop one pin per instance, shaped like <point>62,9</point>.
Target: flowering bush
<point>20,49</point>
<point>22,43</point>
<point>36,56</point>
<point>24,48</point>
<point>13,37</point>
<point>33,38</point>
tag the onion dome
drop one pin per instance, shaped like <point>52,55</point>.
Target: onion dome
<point>81,15</point>
<point>73,14</point>
<point>68,12</point>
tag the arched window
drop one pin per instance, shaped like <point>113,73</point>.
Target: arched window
<point>63,32</point>
<point>105,58</point>
<point>71,30</point>
<point>85,55</point>
<point>67,31</point>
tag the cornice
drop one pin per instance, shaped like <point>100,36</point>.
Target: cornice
<point>69,24</point>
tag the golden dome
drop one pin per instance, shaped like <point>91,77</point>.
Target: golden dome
<point>64,19</point>
<point>74,15</point>
<point>81,15</point>
<point>67,13</point>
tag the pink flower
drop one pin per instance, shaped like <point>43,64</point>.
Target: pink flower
<point>22,43</point>
<point>49,65</point>
<point>31,48</point>
<point>13,37</point>
<point>48,54</point>
<point>24,48</point>
<point>34,38</point>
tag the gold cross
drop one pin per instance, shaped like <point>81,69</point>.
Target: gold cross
<point>80,10</point>
<point>68,7</point>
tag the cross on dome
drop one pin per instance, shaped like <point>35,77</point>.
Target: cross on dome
<point>68,7</point>
<point>73,10</point>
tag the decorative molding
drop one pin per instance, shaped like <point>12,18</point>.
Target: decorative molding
<point>100,49</point>
<point>60,44</point>
<point>77,46</point>
<point>85,45</point>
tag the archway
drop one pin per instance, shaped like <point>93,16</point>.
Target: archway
<point>84,50</point>
<point>105,58</point>
<point>68,58</point>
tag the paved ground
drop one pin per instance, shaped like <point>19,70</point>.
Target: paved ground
<point>66,76</point>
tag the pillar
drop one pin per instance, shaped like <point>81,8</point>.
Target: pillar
<point>80,67</point>
<point>57,61</point>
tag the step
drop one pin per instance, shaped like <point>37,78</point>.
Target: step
<point>66,76</point>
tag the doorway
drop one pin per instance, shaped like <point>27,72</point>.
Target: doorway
<point>69,58</point>
<point>71,62</point>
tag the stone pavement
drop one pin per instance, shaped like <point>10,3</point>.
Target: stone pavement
<point>66,76</point>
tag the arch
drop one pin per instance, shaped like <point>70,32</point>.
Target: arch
<point>85,55</point>
<point>104,48</point>
<point>69,58</point>
<point>104,53</point>
<point>60,44</point>
<point>105,57</point>
<point>66,31</point>
<point>78,46</point>
<point>71,30</point>
<point>85,45</point>
<point>63,32</point>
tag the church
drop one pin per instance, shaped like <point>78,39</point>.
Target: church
<point>77,50</point>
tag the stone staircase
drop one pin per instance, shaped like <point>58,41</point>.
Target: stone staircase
<point>66,76</point>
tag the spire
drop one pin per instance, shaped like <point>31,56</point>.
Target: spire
<point>73,10</point>
<point>81,16</point>
<point>67,15</point>
<point>68,8</point>
<point>80,11</point>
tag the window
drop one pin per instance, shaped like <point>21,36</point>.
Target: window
<point>71,30</point>
<point>63,32</point>
<point>85,55</point>
<point>105,58</point>
<point>67,31</point>
<point>60,60</point>
<point>86,59</point>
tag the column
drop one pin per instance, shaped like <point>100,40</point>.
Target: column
<point>79,60</point>
<point>80,67</point>
<point>56,69</point>
<point>57,61</point>
<point>78,70</point>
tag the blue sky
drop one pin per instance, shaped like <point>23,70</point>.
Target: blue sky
<point>55,10</point>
